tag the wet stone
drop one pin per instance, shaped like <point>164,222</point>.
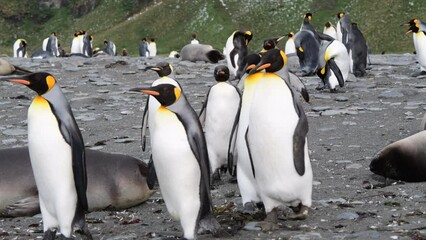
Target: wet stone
<point>15,132</point>
<point>307,236</point>
<point>347,216</point>
<point>321,108</point>
<point>392,93</point>
<point>341,99</point>
<point>331,113</point>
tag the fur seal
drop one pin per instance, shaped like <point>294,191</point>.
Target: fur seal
<point>115,181</point>
<point>200,52</point>
<point>402,160</point>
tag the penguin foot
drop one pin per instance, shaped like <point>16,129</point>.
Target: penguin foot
<point>249,208</point>
<point>49,235</point>
<point>418,74</point>
<point>85,233</point>
<point>270,222</point>
<point>300,212</point>
<point>62,237</point>
<point>208,224</point>
<point>320,87</point>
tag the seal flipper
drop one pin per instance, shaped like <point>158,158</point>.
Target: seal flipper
<point>23,207</point>
<point>333,66</point>
<point>151,177</point>
<point>144,124</point>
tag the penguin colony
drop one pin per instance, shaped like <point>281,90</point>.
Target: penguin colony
<point>256,128</point>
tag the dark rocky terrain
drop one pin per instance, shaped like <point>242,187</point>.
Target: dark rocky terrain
<point>346,129</point>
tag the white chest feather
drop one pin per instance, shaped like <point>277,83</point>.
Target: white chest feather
<point>177,168</point>
<point>50,155</point>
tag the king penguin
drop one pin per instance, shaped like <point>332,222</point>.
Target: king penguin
<point>50,44</point>
<point>221,107</point>
<point>164,71</point>
<point>236,49</point>
<point>418,28</point>
<point>358,51</point>
<point>181,160</point>
<point>290,48</point>
<point>20,48</point>
<point>276,137</point>
<point>334,64</point>
<point>238,146</point>
<point>343,28</point>
<point>330,30</point>
<point>57,156</point>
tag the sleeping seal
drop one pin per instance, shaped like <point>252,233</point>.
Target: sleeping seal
<point>402,160</point>
<point>115,181</point>
<point>200,52</point>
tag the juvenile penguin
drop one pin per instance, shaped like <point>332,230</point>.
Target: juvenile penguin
<point>333,68</point>
<point>57,156</point>
<point>358,51</point>
<point>290,48</point>
<point>218,114</point>
<point>236,49</point>
<point>277,141</point>
<point>20,48</point>
<point>330,30</point>
<point>419,39</point>
<point>180,157</point>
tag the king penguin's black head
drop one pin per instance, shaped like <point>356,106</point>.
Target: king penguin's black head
<point>162,68</point>
<point>40,82</point>
<point>272,61</point>
<point>165,93</point>
<point>221,73</point>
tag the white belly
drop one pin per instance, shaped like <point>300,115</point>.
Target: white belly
<point>51,161</point>
<point>221,110</point>
<point>272,124</point>
<point>177,169</point>
<point>421,49</point>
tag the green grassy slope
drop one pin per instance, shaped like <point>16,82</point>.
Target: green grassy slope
<point>171,22</point>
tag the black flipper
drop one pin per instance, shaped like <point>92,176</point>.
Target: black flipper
<point>232,56</point>
<point>299,135</point>
<point>249,152</point>
<point>151,177</point>
<point>189,119</point>
<point>144,125</point>
<point>202,115</point>
<point>333,66</point>
<point>299,140</point>
<point>233,138</point>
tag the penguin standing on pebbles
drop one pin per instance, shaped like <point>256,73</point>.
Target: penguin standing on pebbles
<point>57,156</point>
<point>218,114</point>
<point>181,160</point>
<point>276,139</point>
<point>418,28</point>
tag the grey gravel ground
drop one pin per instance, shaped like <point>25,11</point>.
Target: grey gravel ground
<point>346,129</point>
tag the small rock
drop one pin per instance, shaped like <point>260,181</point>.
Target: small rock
<point>354,166</point>
<point>321,108</point>
<point>347,216</point>
<point>307,236</point>
<point>15,132</point>
<point>341,99</point>
<point>252,226</point>
<point>393,93</point>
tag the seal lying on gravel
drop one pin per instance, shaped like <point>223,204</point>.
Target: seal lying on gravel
<point>115,181</point>
<point>403,160</point>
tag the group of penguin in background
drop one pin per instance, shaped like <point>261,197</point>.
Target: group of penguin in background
<point>257,129</point>
<point>82,45</point>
